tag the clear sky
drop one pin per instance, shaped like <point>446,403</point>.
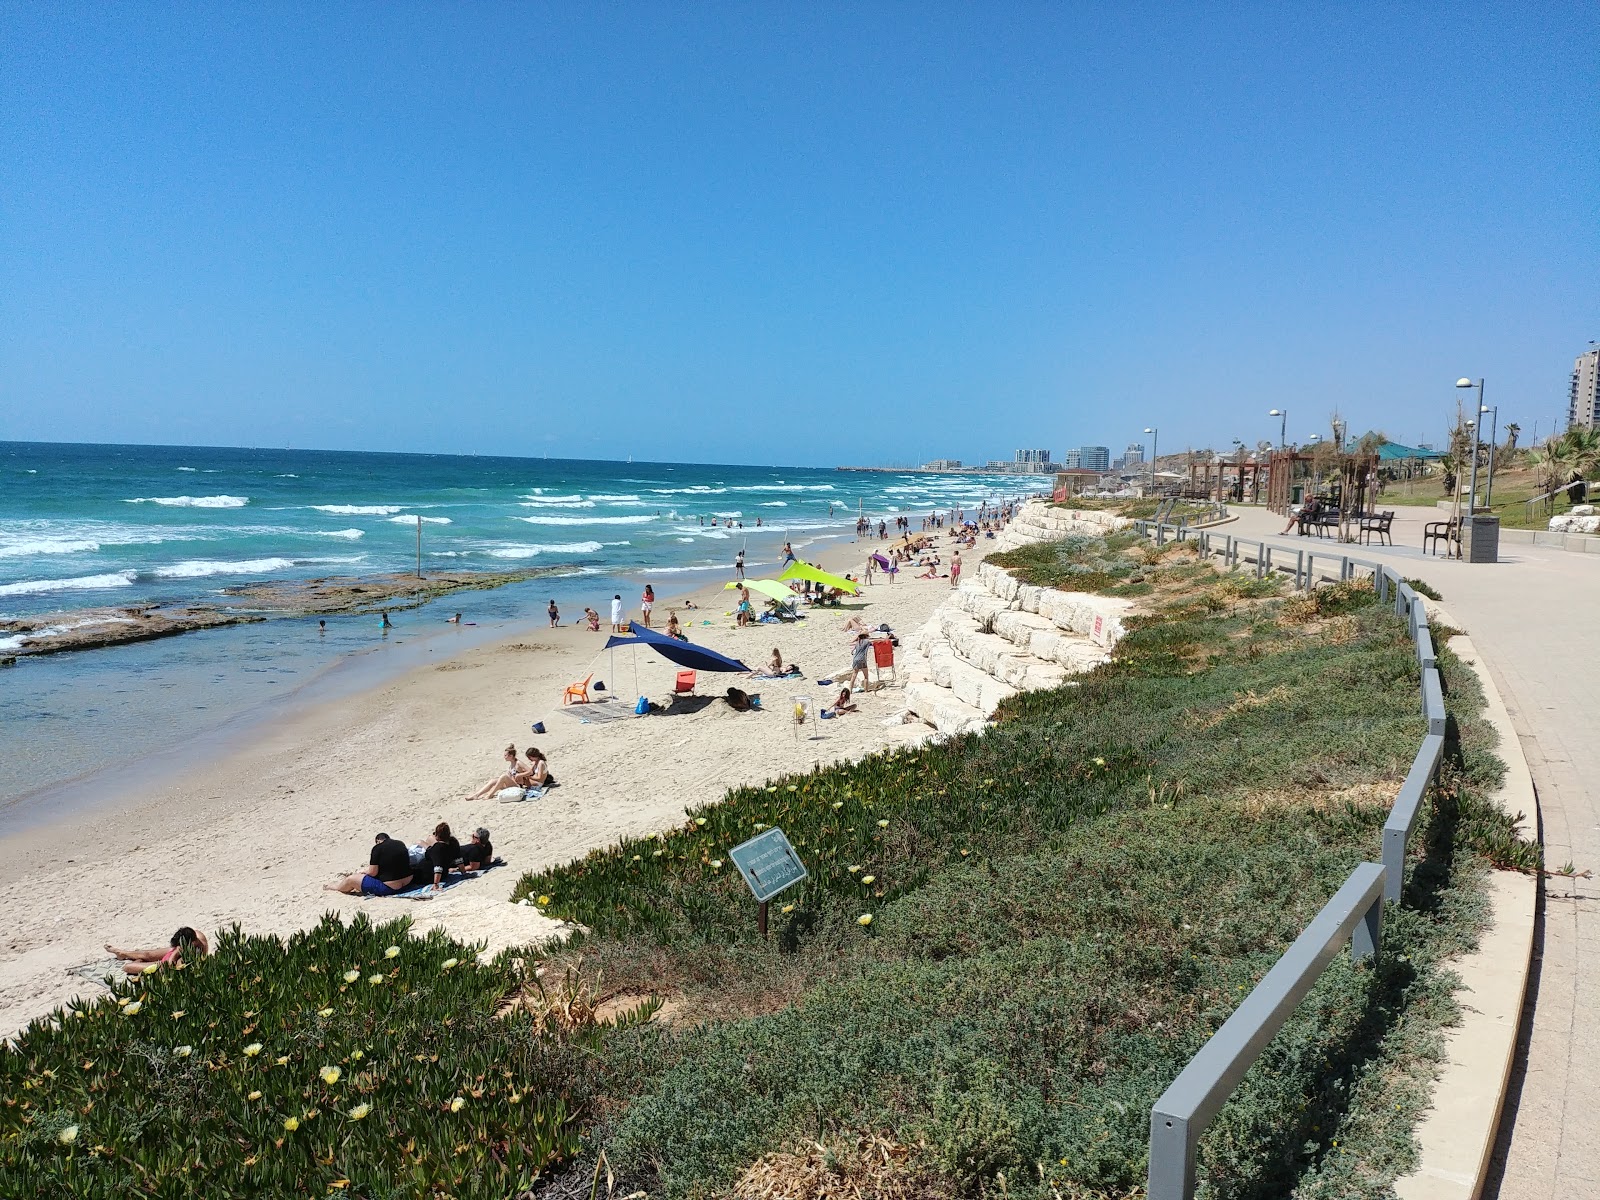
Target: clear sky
<point>797,233</point>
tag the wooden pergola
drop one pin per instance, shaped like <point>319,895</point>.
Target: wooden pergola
<point>1219,479</point>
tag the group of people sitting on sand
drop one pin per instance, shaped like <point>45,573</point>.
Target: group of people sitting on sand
<point>532,776</point>
<point>394,867</point>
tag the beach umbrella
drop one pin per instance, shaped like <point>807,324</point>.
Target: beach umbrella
<point>685,654</point>
<point>804,570</point>
<point>767,587</point>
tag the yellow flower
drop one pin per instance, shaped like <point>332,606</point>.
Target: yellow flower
<point>68,1135</point>
<point>351,976</point>
<point>324,1012</point>
<point>338,1185</point>
<point>253,1096</point>
<point>183,1052</point>
<point>788,908</point>
<point>864,919</point>
<point>772,789</point>
<point>852,869</point>
<point>868,878</point>
<point>374,980</point>
<point>636,858</point>
<point>838,804</point>
<point>291,1123</point>
<point>178,1013</point>
<point>330,1075</point>
<point>132,1008</point>
<point>360,1111</point>
<point>152,968</point>
<point>883,824</point>
<point>392,952</point>
<point>457,1104</point>
<point>716,864</point>
<point>1099,762</point>
<point>964,853</point>
<point>515,1097</point>
<point>702,820</point>
<point>253,1049</point>
<point>448,963</point>
<point>542,901</point>
<point>356,1056</point>
<point>124,999</point>
<point>792,788</point>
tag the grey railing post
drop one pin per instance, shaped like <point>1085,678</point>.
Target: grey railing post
<point>1195,1097</point>
<point>1433,701</point>
<point>1403,817</point>
<point>1344,568</point>
<point>1261,553</point>
<point>1311,570</point>
<point>1299,567</point>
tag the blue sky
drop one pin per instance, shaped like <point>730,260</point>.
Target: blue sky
<point>789,233</point>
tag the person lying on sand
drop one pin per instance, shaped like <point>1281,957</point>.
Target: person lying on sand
<point>854,624</point>
<point>441,853</point>
<point>388,873</point>
<point>931,573</point>
<point>477,854</point>
<point>138,962</point>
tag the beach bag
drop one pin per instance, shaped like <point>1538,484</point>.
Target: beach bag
<point>642,707</point>
<point>511,795</point>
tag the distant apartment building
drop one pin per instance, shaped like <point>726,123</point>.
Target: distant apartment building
<point>1091,458</point>
<point>1033,460</point>
<point>1133,455</point>
<point>1583,405</point>
<point>943,464</point>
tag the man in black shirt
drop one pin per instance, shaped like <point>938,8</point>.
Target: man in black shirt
<point>388,871</point>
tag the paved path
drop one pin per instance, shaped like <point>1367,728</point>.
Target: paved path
<point>1535,618</point>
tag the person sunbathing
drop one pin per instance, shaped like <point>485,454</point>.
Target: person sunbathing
<point>856,625</point>
<point>139,962</point>
<point>775,663</point>
<point>388,871</point>
<point>843,704</point>
<point>931,573</point>
<point>478,854</point>
<point>441,854</point>
<point>509,778</point>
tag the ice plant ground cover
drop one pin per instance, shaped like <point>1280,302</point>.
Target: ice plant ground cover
<point>1008,945</point>
<point>1062,910</point>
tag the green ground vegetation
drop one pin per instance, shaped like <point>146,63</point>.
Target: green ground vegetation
<point>1008,945</point>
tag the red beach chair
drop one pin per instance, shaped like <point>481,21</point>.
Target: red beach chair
<point>883,657</point>
<point>684,685</point>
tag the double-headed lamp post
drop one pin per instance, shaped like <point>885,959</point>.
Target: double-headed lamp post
<point>1155,440</point>
<point>1472,495</point>
<point>1283,426</point>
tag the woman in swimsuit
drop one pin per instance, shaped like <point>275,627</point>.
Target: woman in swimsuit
<point>137,962</point>
<point>511,777</point>
<point>646,603</point>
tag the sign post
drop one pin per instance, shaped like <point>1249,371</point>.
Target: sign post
<point>769,865</point>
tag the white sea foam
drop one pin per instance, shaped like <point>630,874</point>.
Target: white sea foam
<point>199,568</point>
<point>586,520</point>
<point>784,487</point>
<point>698,489</point>
<point>351,534</point>
<point>774,504</point>
<point>555,548</point>
<point>728,514</point>
<point>46,545</point>
<point>193,501</point>
<point>286,477</point>
<point>358,510</point>
<point>50,631</point>
<point>686,570</point>
<point>188,468</point>
<point>558,503</point>
<point>29,587</point>
<point>686,541</point>
<point>538,497</point>
<point>622,499</point>
<point>412,519</point>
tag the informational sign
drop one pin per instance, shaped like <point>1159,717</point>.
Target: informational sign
<point>768,863</point>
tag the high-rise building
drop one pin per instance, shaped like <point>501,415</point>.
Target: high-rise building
<point>1093,458</point>
<point>1040,457</point>
<point>1133,455</point>
<point>1073,460</point>
<point>1583,406</point>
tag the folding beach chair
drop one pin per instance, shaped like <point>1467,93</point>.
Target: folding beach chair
<point>684,685</point>
<point>577,693</point>
<point>882,657</point>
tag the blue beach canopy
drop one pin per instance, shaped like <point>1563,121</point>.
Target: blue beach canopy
<point>1391,451</point>
<point>685,654</point>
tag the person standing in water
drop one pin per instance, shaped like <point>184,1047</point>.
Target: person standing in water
<point>555,614</point>
<point>385,624</point>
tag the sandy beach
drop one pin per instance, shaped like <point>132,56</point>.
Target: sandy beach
<point>250,837</point>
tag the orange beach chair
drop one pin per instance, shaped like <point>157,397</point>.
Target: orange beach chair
<point>685,684</point>
<point>577,693</point>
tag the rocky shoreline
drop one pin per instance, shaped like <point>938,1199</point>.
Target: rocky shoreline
<point>90,628</point>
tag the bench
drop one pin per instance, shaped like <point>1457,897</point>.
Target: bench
<point>1380,525</point>
<point>1435,532</point>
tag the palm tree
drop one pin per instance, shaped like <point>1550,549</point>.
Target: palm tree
<point>1553,461</point>
<point>1512,430</point>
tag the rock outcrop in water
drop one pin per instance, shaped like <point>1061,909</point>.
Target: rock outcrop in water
<point>88,628</point>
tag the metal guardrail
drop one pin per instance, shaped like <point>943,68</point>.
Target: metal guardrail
<point>1188,1106</point>
<point>1198,1094</point>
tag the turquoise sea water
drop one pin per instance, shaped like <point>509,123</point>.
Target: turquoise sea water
<point>86,525</point>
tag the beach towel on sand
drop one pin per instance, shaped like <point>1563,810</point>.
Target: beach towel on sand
<point>424,890</point>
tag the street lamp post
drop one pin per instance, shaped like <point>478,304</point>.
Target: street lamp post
<point>1472,495</point>
<point>1155,440</point>
<point>1283,426</point>
<point>1494,432</point>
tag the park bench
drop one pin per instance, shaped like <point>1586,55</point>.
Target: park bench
<point>1434,532</point>
<point>1378,524</point>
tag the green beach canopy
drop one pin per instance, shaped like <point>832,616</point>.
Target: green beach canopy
<point>1392,451</point>
<point>767,587</point>
<point>804,570</point>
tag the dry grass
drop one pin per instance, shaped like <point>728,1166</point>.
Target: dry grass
<point>871,1167</point>
<point>1377,795</point>
<point>1250,699</point>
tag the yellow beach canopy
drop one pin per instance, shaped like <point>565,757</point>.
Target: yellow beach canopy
<point>803,570</point>
<point>767,587</point>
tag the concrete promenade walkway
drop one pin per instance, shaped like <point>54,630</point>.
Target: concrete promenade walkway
<point>1535,618</point>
